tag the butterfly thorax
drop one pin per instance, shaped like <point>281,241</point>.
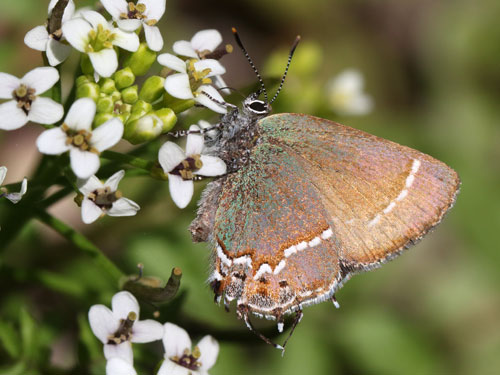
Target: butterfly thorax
<point>239,133</point>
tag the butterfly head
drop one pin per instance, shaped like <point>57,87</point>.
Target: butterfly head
<point>256,107</point>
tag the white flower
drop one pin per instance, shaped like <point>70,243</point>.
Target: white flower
<point>346,96</point>
<point>93,35</point>
<point>202,44</point>
<point>76,136</point>
<point>105,198</point>
<point>118,366</point>
<point>193,79</point>
<point>130,17</point>
<point>50,41</point>
<point>183,166</point>
<point>180,360</point>
<point>119,327</point>
<point>25,104</point>
<point>13,197</point>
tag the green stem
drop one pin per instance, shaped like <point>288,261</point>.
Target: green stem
<point>81,243</point>
<point>129,159</point>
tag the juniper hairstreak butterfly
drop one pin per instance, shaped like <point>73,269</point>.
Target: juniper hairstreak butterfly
<point>307,203</point>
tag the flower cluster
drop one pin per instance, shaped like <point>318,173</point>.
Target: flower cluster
<point>119,327</point>
<point>109,105</point>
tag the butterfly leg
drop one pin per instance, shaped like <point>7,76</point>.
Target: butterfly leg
<point>298,317</point>
<point>335,302</point>
<point>243,312</point>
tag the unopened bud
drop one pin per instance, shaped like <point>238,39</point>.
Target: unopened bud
<point>116,96</point>
<point>107,85</point>
<point>101,118</point>
<point>88,90</point>
<point>144,129</point>
<point>124,78</point>
<point>168,117</point>
<point>86,65</point>
<point>130,95</point>
<point>105,105</point>
<point>83,79</point>
<point>140,108</point>
<point>152,89</point>
<point>141,60</point>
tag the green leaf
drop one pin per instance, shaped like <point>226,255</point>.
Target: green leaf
<point>16,369</point>
<point>9,339</point>
<point>28,337</point>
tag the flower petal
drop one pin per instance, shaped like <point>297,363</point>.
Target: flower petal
<point>115,7</point>
<point>123,303</point>
<point>212,166</point>
<point>45,111</point>
<point>123,207</point>
<point>90,211</point>
<point>195,142</point>
<point>178,86</point>
<point>181,190</point>
<point>52,142</point>
<point>209,103</point>
<point>154,8</point>
<point>76,31</point>
<point>37,38</point>
<point>57,52</point>
<point>102,322</point>
<point>128,25</point>
<point>8,83</point>
<point>219,83</point>
<point>105,62</point>
<point>171,368</point>
<point>107,135</point>
<point>114,180</point>
<point>83,163</point>
<point>3,173</point>
<point>16,197</point>
<point>184,48</point>
<point>147,331</point>
<point>90,185</point>
<point>153,37</point>
<point>361,104</point>
<point>41,79</point>
<point>350,80</point>
<point>170,156</point>
<point>123,351</point>
<point>81,114</point>
<point>172,62</point>
<point>206,40</point>
<point>125,40</point>
<point>209,349</point>
<point>95,19</point>
<point>175,340</point>
<point>11,116</point>
<point>118,366</point>
<point>215,67</point>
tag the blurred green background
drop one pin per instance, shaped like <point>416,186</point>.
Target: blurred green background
<point>433,69</point>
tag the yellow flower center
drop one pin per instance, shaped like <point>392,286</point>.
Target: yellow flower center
<point>24,96</point>
<point>100,39</point>
<point>189,359</point>
<point>187,167</point>
<point>136,12</point>
<point>79,139</point>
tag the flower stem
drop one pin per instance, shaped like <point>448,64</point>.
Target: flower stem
<point>81,243</point>
<point>141,287</point>
<point>129,159</point>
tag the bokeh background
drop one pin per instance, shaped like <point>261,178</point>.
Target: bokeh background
<point>433,69</point>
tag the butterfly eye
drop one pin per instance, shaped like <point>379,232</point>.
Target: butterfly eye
<point>258,106</point>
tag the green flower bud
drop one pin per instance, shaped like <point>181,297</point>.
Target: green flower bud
<point>130,95</point>
<point>124,78</point>
<point>116,95</point>
<point>83,79</point>
<point>107,85</point>
<point>141,60</point>
<point>177,105</point>
<point>168,117</point>
<point>140,108</point>
<point>88,90</point>
<point>152,89</point>
<point>143,129</point>
<point>101,118</point>
<point>105,105</point>
<point>125,108</point>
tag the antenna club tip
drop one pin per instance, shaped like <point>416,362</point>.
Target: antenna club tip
<point>298,37</point>
<point>233,29</point>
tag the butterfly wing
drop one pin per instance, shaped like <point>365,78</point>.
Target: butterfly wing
<point>317,201</point>
<point>380,196</point>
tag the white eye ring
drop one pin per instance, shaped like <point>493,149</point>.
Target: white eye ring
<point>254,104</point>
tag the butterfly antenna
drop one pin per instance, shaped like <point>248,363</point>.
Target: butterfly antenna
<point>238,41</point>
<point>290,55</point>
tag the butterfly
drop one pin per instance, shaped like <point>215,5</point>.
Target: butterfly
<point>306,203</point>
